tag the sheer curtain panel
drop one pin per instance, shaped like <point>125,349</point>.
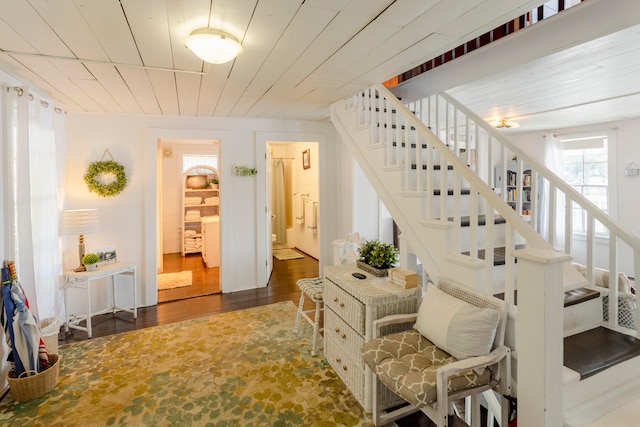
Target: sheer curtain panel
<point>33,178</point>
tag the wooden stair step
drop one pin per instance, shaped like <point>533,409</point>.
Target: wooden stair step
<point>465,221</point>
<point>499,254</point>
<point>396,126</point>
<point>463,191</point>
<point>435,167</point>
<point>572,297</point>
<point>595,350</point>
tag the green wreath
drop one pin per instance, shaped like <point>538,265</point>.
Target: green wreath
<point>96,169</point>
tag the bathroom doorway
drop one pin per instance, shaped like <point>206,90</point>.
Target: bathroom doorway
<point>292,199</point>
<point>187,274</point>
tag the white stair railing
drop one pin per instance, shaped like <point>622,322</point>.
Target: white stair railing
<point>544,184</point>
<point>439,147</point>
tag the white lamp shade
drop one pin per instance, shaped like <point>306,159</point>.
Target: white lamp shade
<point>214,46</point>
<point>80,221</point>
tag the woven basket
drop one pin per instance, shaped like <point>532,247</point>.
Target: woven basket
<point>378,272</point>
<point>27,388</point>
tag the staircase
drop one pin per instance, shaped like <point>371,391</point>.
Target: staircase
<point>434,165</point>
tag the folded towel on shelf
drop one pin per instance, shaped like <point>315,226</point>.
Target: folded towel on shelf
<point>192,201</point>
<point>192,216</point>
<point>190,232</point>
<point>212,200</point>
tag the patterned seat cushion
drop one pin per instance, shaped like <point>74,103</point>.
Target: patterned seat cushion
<point>406,362</point>
<point>312,287</point>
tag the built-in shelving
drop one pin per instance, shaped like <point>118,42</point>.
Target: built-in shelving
<point>200,198</point>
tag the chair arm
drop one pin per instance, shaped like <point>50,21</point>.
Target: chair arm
<point>393,319</point>
<point>492,358</point>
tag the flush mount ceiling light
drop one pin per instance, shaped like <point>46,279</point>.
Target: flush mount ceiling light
<point>504,124</point>
<point>213,45</point>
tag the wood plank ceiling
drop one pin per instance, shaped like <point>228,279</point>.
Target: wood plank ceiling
<point>128,56</point>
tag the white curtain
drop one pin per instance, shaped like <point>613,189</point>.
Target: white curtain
<point>278,203</point>
<point>553,162</point>
<point>33,182</point>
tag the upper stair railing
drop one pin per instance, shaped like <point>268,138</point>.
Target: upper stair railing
<point>545,193</point>
<point>468,162</point>
<point>430,169</point>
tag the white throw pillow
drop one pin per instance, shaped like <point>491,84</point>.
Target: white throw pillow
<point>457,327</point>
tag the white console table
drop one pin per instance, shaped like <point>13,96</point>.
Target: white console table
<point>84,279</point>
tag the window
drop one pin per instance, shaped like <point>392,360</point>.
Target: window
<point>190,160</point>
<point>585,166</point>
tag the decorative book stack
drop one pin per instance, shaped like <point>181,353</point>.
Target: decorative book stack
<point>404,278</point>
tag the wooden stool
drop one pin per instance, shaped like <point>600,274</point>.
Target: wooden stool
<point>313,288</point>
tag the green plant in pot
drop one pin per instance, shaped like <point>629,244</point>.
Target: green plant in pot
<point>90,261</point>
<point>213,183</point>
<point>378,255</point>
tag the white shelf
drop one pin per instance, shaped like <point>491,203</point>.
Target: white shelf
<point>195,176</point>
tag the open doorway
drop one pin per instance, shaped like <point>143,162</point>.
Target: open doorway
<point>293,200</point>
<point>190,198</point>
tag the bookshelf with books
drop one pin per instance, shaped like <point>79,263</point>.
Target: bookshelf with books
<point>517,194</point>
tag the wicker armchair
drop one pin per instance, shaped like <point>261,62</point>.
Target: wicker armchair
<point>456,349</point>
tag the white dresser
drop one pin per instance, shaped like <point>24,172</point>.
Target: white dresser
<point>351,306</point>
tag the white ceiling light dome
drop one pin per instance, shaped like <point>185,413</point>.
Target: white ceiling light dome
<point>213,45</point>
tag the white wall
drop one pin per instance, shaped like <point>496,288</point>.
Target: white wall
<point>129,219</point>
<point>627,202</point>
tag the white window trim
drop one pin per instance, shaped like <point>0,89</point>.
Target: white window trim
<point>612,164</point>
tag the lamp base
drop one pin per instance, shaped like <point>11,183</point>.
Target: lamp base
<point>80,269</point>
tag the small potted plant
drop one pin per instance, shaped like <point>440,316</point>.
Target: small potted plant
<point>213,184</point>
<point>90,262</point>
<point>377,257</point>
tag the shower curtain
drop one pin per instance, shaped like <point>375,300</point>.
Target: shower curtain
<point>278,207</point>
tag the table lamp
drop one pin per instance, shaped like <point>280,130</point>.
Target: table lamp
<point>80,222</point>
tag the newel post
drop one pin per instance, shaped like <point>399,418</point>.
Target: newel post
<point>539,337</point>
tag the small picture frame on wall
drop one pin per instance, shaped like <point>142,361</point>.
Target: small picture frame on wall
<point>306,159</point>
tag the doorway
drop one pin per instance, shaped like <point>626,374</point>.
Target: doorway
<point>292,198</point>
<point>185,274</point>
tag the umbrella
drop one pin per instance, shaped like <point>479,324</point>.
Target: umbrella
<point>25,333</point>
<point>7,320</point>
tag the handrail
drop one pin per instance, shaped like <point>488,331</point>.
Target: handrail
<point>474,180</point>
<point>558,183</point>
<point>410,137</point>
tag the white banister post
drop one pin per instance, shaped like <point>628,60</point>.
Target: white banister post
<point>539,337</point>
<point>408,259</point>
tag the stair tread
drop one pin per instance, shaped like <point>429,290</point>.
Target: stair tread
<point>435,167</point>
<point>499,254</point>
<point>595,350</point>
<point>463,191</point>
<point>465,221</point>
<point>572,297</point>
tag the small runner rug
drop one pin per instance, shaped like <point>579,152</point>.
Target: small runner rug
<point>286,254</point>
<point>241,368</point>
<point>174,280</point>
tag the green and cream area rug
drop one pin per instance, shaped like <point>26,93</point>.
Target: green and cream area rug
<point>243,368</point>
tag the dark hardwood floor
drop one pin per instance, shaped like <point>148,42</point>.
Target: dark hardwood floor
<point>282,287</point>
<point>205,281</point>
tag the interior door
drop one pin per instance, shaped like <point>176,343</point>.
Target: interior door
<point>269,214</point>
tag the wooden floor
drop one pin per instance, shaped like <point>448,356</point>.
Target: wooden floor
<point>205,281</point>
<point>281,287</point>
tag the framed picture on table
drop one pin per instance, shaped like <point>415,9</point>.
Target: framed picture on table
<point>106,255</point>
<point>306,159</point>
